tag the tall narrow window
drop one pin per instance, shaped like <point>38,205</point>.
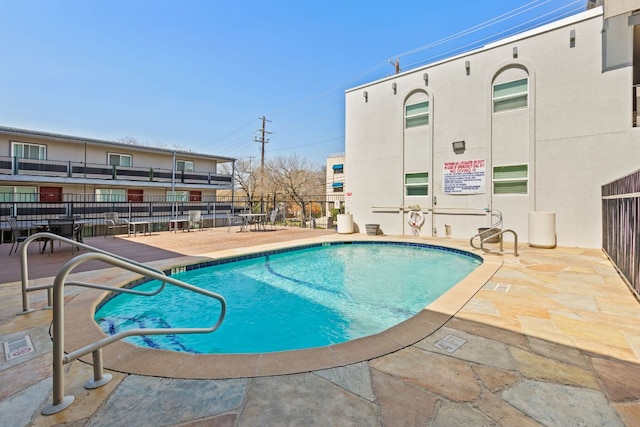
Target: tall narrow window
<point>184,165</point>
<point>416,184</point>
<point>416,114</point>
<point>510,179</point>
<point>511,95</point>
<point>116,159</point>
<point>29,151</point>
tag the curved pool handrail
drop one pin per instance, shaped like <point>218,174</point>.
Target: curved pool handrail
<point>60,401</point>
<point>24,269</point>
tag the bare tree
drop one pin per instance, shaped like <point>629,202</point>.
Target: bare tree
<point>245,176</point>
<point>296,178</point>
<point>129,140</point>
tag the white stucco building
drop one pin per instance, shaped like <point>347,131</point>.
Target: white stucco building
<point>537,122</point>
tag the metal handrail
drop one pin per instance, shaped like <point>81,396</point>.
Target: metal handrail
<point>24,268</point>
<point>492,235</point>
<point>60,401</point>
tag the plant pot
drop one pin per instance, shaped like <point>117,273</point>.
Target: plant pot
<point>372,229</point>
<point>489,235</point>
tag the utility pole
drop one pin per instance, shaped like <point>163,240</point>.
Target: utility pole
<point>262,139</point>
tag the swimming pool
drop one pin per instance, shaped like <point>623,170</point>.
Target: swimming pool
<point>307,297</point>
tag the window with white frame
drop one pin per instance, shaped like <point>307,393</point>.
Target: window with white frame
<point>416,184</point>
<point>177,196</point>
<point>111,194</point>
<point>184,165</point>
<point>416,114</point>
<point>18,194</point>
<point>511,95</point>
<point>28,151</point>
<point>512,179</point>
<point>116,159</point>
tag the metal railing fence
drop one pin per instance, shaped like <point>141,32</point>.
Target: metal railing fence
<point>318,211</point>
<point>621,226</point>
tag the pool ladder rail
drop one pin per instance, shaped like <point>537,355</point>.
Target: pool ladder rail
<point>495,232</point>
<point>55,293</point>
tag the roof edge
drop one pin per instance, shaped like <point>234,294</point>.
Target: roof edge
<point>578,17</point>
<point>6,130</point>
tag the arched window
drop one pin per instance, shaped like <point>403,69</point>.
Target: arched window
<point>511,90</point>
<point>416,110</point>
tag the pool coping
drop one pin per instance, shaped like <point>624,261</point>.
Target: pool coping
<point>124,357</point>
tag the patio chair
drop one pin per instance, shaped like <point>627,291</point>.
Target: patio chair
<point>273,216</point>
<point>77,232</point>
<point>195,218</point>
<point>16,234</point>
<point>233,220</point>
<point>115,223</point>
<point>64,228</point>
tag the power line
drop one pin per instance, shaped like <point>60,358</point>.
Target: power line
<point>244,142</point>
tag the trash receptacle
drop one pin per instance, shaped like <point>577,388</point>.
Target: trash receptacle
<point>542,229</point>
<point>345,223</point>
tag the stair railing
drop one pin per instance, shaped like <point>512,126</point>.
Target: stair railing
<point>61,401</point>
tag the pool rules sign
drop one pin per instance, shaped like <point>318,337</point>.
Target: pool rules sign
<point>464,177</point>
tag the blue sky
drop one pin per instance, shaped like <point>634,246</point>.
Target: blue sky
<point>197,75</point>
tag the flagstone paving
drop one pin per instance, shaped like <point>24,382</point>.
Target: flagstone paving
<point>552,339</point>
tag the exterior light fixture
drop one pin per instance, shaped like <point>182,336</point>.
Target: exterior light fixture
<point>366,96</point>
<point>467,66</point>
<point>572,38</point>
<point>425,77</point>
<point>515,51</point>
<point>458,147</point>
<point>394,86</point>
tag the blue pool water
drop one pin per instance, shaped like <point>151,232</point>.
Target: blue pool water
<point>286,300</point>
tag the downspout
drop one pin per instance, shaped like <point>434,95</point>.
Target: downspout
<point>233,187</point>
<point>173,185</point>
<point>434,201</point>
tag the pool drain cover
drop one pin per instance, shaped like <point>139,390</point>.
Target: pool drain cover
<point>450,343</point>
<point>503,287</point>
<point>18,347</point>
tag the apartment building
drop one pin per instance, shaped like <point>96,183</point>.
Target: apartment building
<point>335,174</point>
<point>535,123</point>
<point>46,167</point>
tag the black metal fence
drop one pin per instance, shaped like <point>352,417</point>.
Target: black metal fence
<point>313,212</point>
<point>621,226</point>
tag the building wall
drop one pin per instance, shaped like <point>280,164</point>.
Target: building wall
<point>98,153</point>
<point>575,135</point>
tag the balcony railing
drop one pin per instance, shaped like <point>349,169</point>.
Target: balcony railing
<point>80,170</point>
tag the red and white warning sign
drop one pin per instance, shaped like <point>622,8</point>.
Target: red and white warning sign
<point>348,196</point>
